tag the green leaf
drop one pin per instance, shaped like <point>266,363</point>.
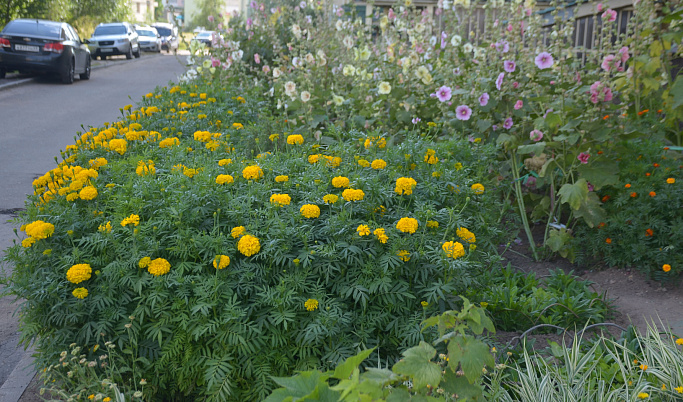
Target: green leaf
<point>454,384</point>
<point>417,364</point>
<point>590,210</point>
<point>344,370</point>
<point>536,148</point>
<point>379,376</point>
<point>398,395</point>
<point>556,349</point>
<point>677,91</point>
<point>471,354</point>
<point>483,125</point>
<point>557,239</point>
<point>302,384</point>
<point>600,174</point>
<point>553,120</point>
<point>574,194</point>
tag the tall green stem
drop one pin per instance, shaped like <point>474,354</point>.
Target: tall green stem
<point>522,207</point>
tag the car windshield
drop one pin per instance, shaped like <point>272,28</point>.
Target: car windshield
<point>34,28</point>
<point>163,31</point>
<point>146,32</point>
<point>110,30</point>
<point>204,35</point>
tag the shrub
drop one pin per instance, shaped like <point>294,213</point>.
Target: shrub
<point>232,273</point>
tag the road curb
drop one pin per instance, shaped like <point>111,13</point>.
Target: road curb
<point>19,378</point>
<point>27,80</point>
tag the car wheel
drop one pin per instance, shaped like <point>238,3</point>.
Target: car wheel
<point>68,73</point>
<point>86,74</point>
<point>137,54</point>
<point>2,73</point>
<point>94,57</point>
<point>103,57</point>
<point>129,55</point>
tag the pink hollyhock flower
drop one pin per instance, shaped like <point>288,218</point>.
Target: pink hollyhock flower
<point>391,14</point>
<point>509,66</point>
<point>599,7</point>
<point>530,182</point>
<point>210,18</point>
<point>257,58</point>
<point>463,112</point>
<point>624,54</point>
<point>509,28</point>
<point>494,127</point>
<point>536,135</point>
<point>515,85</point>
<point>544,60</point>
<point>608,61</point>
<point>265,69</point>
<point>443,40</point>
<point>416,120</point>
<point>502,46</point>
<point>484,99</point>
<point>609,15</point>
<point>499,81</point>
<point>583,157</point>
<point>528,12</point>
<point>519,104</point>
<point>507,124</point>
<point>215,62</point>
<point>608,94</point>
<point>456,71</point>
<point>590,186</point>
<point>444,93</point>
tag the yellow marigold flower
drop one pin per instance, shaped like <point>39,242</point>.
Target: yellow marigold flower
<point>221,261</point>
<point>190,172</point>
<point>145,169</point>
<point>282,178</point>
<point>127,107</point>
<point>332,161</point>
<point>313,158</point>
<point>158,267</point>
<point>97,163</point>
<point>436,174</point>
<point>378,164</point>
<point>311,304</point>
<point>430,157</point>
<point>88,193</point>
<point>478,188</point>
<point>237,231</point>
<point>405,185</point>
<point>453,249</point>
<point>353,195</point>
<point>363,230</point>
<point>110,185</point>
<point>273,137</point>
<point>431,124</point>
<point>237,126</point>
<point>280,199</point>
<point>380,142</point>
<point>679,390</point>
<point>202,136</point>
<point>643,367</point>
<point>248,245</point>
<point>28,242</point>
<point>224,162</point>
<point>466,235</point>
<point>224,179</point>
<point>133,219</point>
<point>473,247</point>
<point>643,395</point>
<point>363,163</point>
<point>458,166</point>
<point>252,172</point>
<point>295,139</point>
<point>679,341</point>
<point>381,235</point>
<point>671,180</point>
<point>80,293</point>
<point>424,304</point>
<point>407,225</point>
<point>40,230</point>
<point>330,199</point>
<point>144,262</point>
<point>404,255</point>
<point>79,273</point>
<point>310,211</point>
<point>107,399</point>
<point>118,145</point>
<point>666,267</point>
<point>432,224</point>
<point>105,228</point>
<point>240,99</point>
<point>72,197</point>
<point>340,181</point>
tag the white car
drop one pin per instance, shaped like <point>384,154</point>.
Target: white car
<point>149,39</point>
<point>112,39</point>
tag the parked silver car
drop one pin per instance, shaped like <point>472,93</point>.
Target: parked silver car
<point>149,39</point>
<point>114,38</point>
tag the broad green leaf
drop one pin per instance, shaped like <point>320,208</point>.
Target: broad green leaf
<point>379,376</point>
<point>344,370</point>
<point>471,354</point>
<point>454,384</point>
<point>483,125</point>
<point>590,210</point>
<point>504,139</point>
<point>574,194</point>
<point>557,239</point>
<point>553,120</point>
<point>536,148</point>
<point>677,91</point>
<point>398,395</point>
<point>556,349</point>
<point>302,384</point>
<point>601,173</point>
<point>417,364</point>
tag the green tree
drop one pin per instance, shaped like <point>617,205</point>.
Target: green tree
<point>207,8</point>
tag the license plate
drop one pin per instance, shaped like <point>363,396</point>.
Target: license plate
<point>26,48</point>
<point>106,50</point>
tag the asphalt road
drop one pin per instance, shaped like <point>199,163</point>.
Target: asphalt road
<point>40,118</point>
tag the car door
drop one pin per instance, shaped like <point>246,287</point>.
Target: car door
<point>74,42</point>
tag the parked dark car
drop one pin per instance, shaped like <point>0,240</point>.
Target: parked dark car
<point>169,36</point>
<point>41,46</point>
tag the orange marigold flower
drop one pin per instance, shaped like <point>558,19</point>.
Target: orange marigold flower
<point>655,164</point>
<point>648,174</point>
<point>659,110</point>
<point>600,152</point>
<point>601,225</point>
<point>608,240</point>
<point>634,194</point>
<point>671,180</point>
<point>642,112</point>
<point>652,194</point>
<point>627,186</point>
<point>649,232</point>
<point>666,267</point>
<point>606,117</point>
<point>605,198</point>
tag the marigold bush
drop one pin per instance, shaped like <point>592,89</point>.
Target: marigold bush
<point>210,289</point>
